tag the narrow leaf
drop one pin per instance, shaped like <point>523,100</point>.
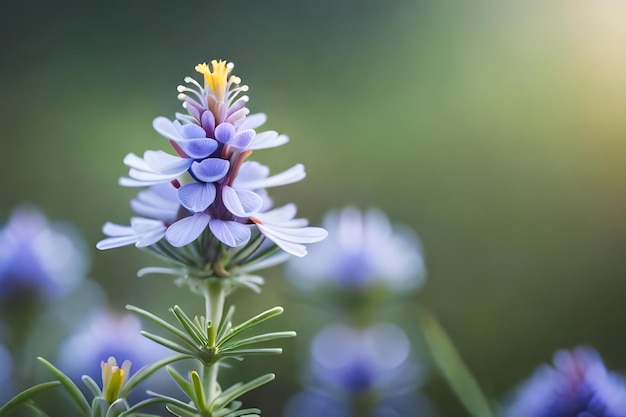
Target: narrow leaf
<point>189,325</point>
<point>26,395</point>
<point>266,315</point>
<point>166,342</point>
<point>148,370</point>
<point>69,386</point>
<point>182,383</point>
<point>146,314</point>
<point>174,402</point>
<point>197,388</point>
<point>260,338</point>
<point>92,385</point>
<point>226,322</point>
<point>259,351</point>
<point>227,396</point>
<point>181,412</point>
<point>453,369</point>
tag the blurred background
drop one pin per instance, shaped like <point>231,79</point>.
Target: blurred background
<point>494,129</point>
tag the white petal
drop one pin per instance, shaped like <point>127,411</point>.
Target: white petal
<point>187,230</point>
<point>241,203</point>
<point>293,174</point>
<point>167,128</point>
<point>268,139</point>
<point>230,233</point>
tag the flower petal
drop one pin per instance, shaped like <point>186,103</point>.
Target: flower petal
<point>224,132</point>
<point>208,123</point>
<point>241,203</point>
<point>193,131</point>
<point>164,163</point>
<point>196,196</point>
<point>253,121</point>
<point>167,128</point>
<point>187,230</point>
<point>230,233</point>
<point>293,174</point>
<point>198,148</point>
<point>210,169</point>
<point>242,139</point>
<point>268,139</point>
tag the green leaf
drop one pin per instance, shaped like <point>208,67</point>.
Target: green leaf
<point>26,395</point>
<point>189,325</point>
<point>148,370</point>
<point>167,343</point>
<point>232,394</point>
<point>118,407</point>
<point>182,383</point>
<point>181,412</point>
<point>259,351</point>
<point>226,322</point>
<point>92,385</point>
<point>146,314</point>
<point>266,315</point>
<point>238,413</point>
<point>453,369</point>
<point>199,391</point>
<point>259,338</point>
<point>173,401</point>
<point>38,411</point>
<point>99,407</point>
<point>69,386</point>
<point>132,410</point>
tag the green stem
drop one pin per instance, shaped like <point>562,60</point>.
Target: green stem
<point>214,297</point>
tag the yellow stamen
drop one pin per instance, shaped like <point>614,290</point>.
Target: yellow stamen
<point>218,77</point>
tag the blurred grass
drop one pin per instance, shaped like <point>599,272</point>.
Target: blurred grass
<point>494,130</point>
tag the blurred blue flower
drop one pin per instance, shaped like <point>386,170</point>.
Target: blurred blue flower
<point>356,361</point>
<point>357,370</point>
<point>106,334</point>
<point>38,260</point>
<point>578,385</point>
<point>362,250</point>
<point>209,186</point>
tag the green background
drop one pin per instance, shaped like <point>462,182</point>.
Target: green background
<point>494,129</point>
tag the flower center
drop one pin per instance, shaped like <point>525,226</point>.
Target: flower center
<point>216,79</point>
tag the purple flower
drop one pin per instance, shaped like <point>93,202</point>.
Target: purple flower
<point>208,188</point>
<point>362,250</point>
<point>360,372</point>
<point>357,361</point>
<point>38,260</point>
<point>578,385</point>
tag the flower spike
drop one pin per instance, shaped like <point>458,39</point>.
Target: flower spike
<point>207,201</point>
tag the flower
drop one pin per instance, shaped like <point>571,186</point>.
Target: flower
<point>113,378</point>
<point>355,372</point>
<point>363,250</point>
<point>208,193</point>
<point>39,260</point>
<point>109,335</point>
<point>356,361</point>
<point>577,385</point>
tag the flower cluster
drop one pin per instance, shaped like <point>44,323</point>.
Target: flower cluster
<point>209,189</point>
<point>578,385</point>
